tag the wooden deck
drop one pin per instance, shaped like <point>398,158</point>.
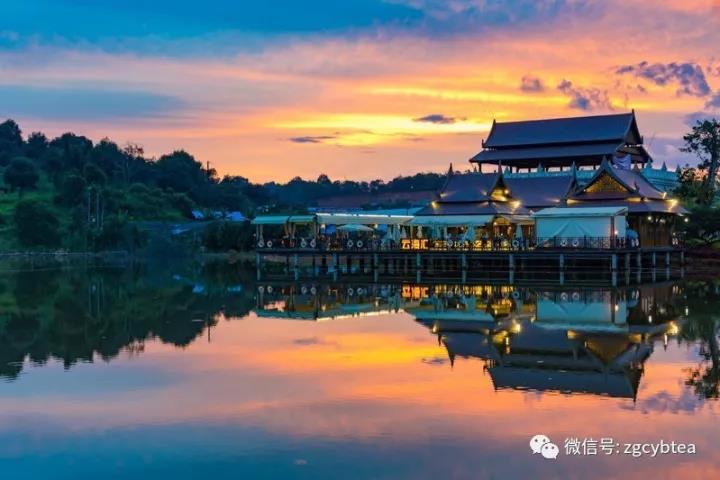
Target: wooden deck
<point>462,265</point>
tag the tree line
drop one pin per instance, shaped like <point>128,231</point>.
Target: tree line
<point>71,192</point>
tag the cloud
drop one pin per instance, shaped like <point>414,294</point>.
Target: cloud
<point>135,25</point>
<point>588,99</point>
<point>528,83</point>
<point>691,119</point>
<point>313,139</point>
<point>714,101</point>
<point>689,76</point>
<point>82,103</point>
<point>437,118</point>
<point>435,361</point>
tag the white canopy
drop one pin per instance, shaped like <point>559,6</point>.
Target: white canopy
<point>271,220</point>
<point>355,228</point>
<point>283,219</point>
<point>361,219</point>
<point>565,212</point>
<point>452,220</point>
<point>580,222</point>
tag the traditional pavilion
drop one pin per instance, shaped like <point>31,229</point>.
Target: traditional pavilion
<point>562,164</point>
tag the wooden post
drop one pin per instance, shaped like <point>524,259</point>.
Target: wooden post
<point>511,262</point>
<point>258,264</point>
<point>614,262</point>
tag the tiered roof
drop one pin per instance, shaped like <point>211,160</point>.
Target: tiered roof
<point>562,141</point>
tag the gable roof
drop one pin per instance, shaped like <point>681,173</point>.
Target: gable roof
<point>469,187</point>
<point>576,151</point>
<point>634,182</point>
<point>473,208</point>
<point>562,131</point>
<point>540,191</point>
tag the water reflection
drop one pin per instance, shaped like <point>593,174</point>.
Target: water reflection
<point>75,315</point>
<point>203,368</point>
<point>565,340</point>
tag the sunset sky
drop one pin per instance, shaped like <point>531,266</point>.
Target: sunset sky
<point>356,89</point>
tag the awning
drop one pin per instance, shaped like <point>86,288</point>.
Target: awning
<point>565,212</point>
<point>283,219</point>
<point>355,228</point>
<point>519,219</point>
<point>271,220</point>
<point>452,220</point>
<point>298,219</point>
<point>361,219</point>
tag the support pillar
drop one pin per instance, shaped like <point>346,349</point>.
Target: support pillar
<point>258,264</point>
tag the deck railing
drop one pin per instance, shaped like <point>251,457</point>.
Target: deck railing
<point>455,245</point>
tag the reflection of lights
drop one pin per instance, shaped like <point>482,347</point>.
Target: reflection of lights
<point>617,307</point>
<point>516,328</point>
<point>673,329</point>
<point>649,318</point>
<point>687,311</point>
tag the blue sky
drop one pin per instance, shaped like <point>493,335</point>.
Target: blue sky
<point>238,83</point>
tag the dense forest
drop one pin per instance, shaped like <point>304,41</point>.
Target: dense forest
<point>72,193</point>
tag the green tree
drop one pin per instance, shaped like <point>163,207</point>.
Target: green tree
<point>21,174</point>
<point>690,185</point>
<point>36,224</point>
<point>180,172</point>
<point>11,141</point>
<point>75,150</point>
<point>37,144</point>
<point>703,226</point>
<point>71,191</point>
<point>704,141</point>
<point>94,175</point>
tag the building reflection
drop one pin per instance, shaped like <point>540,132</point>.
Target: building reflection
<point>587,341</point>
<point>326,302</point>
<point>568,341</point>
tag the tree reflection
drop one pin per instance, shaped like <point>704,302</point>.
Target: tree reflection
<point>77,316</point>
<point>702,327</point>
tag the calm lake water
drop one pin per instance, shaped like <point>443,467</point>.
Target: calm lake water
<point>202,372</point>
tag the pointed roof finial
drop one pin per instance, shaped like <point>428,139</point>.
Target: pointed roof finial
<point>664,167</point>
<point>605,162</point>
<point>540,167</point>
<point>450,170</point>
<point>507,170</point>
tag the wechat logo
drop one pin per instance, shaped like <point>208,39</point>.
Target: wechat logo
<point>541,444</point>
